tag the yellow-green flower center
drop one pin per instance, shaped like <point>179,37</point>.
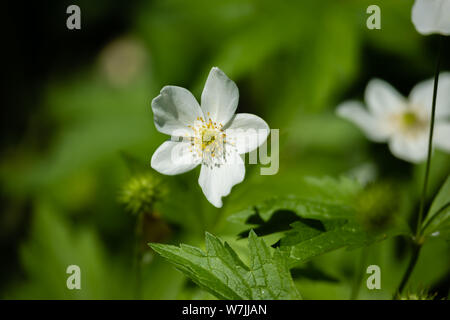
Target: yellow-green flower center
<point>409,119</point>
<point>208,137</point>
<point>208,142</point>
<point>411,122</point>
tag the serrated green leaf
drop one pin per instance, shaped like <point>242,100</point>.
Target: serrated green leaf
<point>220,271</point>
<point>307,208</point>
<point>310,238</point>
<point>342,190</point>
<point>438,217</point>
<point>316,226</point>
<point>326,198</point>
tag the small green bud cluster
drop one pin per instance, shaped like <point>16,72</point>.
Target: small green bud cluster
<point>141,192</point>
<point>377,206</point>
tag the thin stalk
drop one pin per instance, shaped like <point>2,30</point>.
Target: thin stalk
<point>360,276</point>
<point>430,142</point>
<point>411,265</point>
<point>138,254</point>
<point>417,239</point>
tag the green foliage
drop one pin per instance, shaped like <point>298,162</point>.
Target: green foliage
<point>438,217</point>
<point>341,190</point>
<point>220,271</point>
<point>377,206</point>
<point>53,246</point>
<point>321,226</point>
<point>310,238</point>
<point>311,209</point>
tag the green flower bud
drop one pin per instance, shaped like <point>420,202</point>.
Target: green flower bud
<point>141,192</point>
<point>377,206</point>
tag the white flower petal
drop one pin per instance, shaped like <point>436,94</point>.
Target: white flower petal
<point>373,128</point>
<point>247,132</point>
<point>174,109</point>
<point>441,137</point>
<point>220,97</point>
<point>383,99</point>
<point>412,149</point>
<point>431,16</point>
<point>216,182</point>
<point>422,95</point>
<point>174,158</point>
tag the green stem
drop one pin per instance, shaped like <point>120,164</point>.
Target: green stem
<point>417,239</point>
<point>138,254</point>
<point>360,276</point>
<point>411,265</point>
<point>430,143</point>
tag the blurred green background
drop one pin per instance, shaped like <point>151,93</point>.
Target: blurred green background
<point>76,122</point>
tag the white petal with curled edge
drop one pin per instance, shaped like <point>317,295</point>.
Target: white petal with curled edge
<point>220,97</point>
<point>174,109</point>
<point>411,149</point>
<point>373,127</point>
<point>431,16</point>
<point>442,136</point>
<point>246,132</point>
<point>422,95</point>
<point>216,182</point>
<point>383,99</point>
<point>173,158</point>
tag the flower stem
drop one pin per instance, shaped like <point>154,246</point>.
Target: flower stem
<point>138,254</point>
<point>360,274</point>
<point>430,143</point>
<point>411,265</point>
<point>418,239</point>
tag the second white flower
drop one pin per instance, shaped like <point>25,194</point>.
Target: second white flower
<point>403,123</point>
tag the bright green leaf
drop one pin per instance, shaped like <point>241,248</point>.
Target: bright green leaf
<point>316,226</point>
<point>326,198</point>
<point>438,218</point>
<point>310,238</point>
<point>312,209</point>
<point>220,271</point>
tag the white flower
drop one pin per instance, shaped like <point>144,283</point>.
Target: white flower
<point>404,123</point>
<point>211,134</point>
<point>431,16</point>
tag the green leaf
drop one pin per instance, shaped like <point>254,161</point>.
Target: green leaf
<point>341,190</point>
<point>310,238</point>
<point>312,272</point>
<point>317,226</point>
<point>54,244</point>
<point>438,217</point>
<point>220,271</point>
<point>313,209</point>
<point>326,198</point>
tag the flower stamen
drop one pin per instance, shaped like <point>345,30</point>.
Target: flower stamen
<point>209,142</point>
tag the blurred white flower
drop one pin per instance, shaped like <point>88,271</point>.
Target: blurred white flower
<point>403,123</point>
<point>431,16</point>
<point>211,134</point>
<point>122,60</point>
